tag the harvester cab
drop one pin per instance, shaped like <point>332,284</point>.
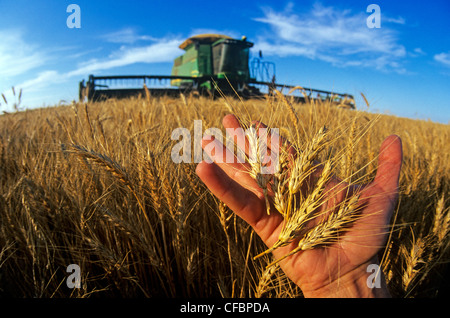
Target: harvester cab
<point>217,60</point>
<point>212,64</point>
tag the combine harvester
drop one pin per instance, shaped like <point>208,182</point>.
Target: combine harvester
<point>212,65</point>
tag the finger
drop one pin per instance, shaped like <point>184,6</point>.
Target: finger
<point>242,201</point>
<point>389,165</point>
<point>232,125</point>
<point>379,197</point>
<point>252,147</point>
<point>266,145</point>
<point>228,162</point>
<point>274,140</point>
<point>236,134</point>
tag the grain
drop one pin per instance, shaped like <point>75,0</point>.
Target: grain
<point>93,184</point>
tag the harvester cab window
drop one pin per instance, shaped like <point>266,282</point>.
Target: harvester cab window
<point>231,58</point>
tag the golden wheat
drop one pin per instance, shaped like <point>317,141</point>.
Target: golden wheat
<point>93,185</point>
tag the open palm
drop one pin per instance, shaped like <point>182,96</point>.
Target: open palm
<point>336,270</point>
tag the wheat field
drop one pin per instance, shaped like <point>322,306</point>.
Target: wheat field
<point>93,184</point>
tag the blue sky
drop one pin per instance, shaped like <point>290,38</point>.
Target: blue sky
<point>403,68</point>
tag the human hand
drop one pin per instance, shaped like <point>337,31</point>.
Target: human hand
<point>336,270</point>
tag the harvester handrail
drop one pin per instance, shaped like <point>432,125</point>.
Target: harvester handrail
<point>112,77</point>
<point>306,89</point>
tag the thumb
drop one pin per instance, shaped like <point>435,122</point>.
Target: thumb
<point>389,165</point>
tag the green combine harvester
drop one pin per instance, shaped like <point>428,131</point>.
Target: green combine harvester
<point>212,64</point>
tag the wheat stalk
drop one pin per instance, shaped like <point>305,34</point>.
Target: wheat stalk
<point>147,94</point>
<point>296,217</point>
<point>264,280</point>
<point>412,258</point>
<point>65,216</point>
<point>104,161</point>
<point>288,199</point>
<point>327,232</point>
<point>257,144</point>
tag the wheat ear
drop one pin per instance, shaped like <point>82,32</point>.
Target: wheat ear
<point>327,232</point>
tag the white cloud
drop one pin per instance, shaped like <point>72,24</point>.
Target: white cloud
<point>43,79</point>
<point>284,49</point>
<point>126,35</point>
<point>164,50</point>
<point>17,58</point>
<point>398,20</point>
<point>443,58</point>
<point>418,52</point>
<point>16,55</point>
<point>332,35</point>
